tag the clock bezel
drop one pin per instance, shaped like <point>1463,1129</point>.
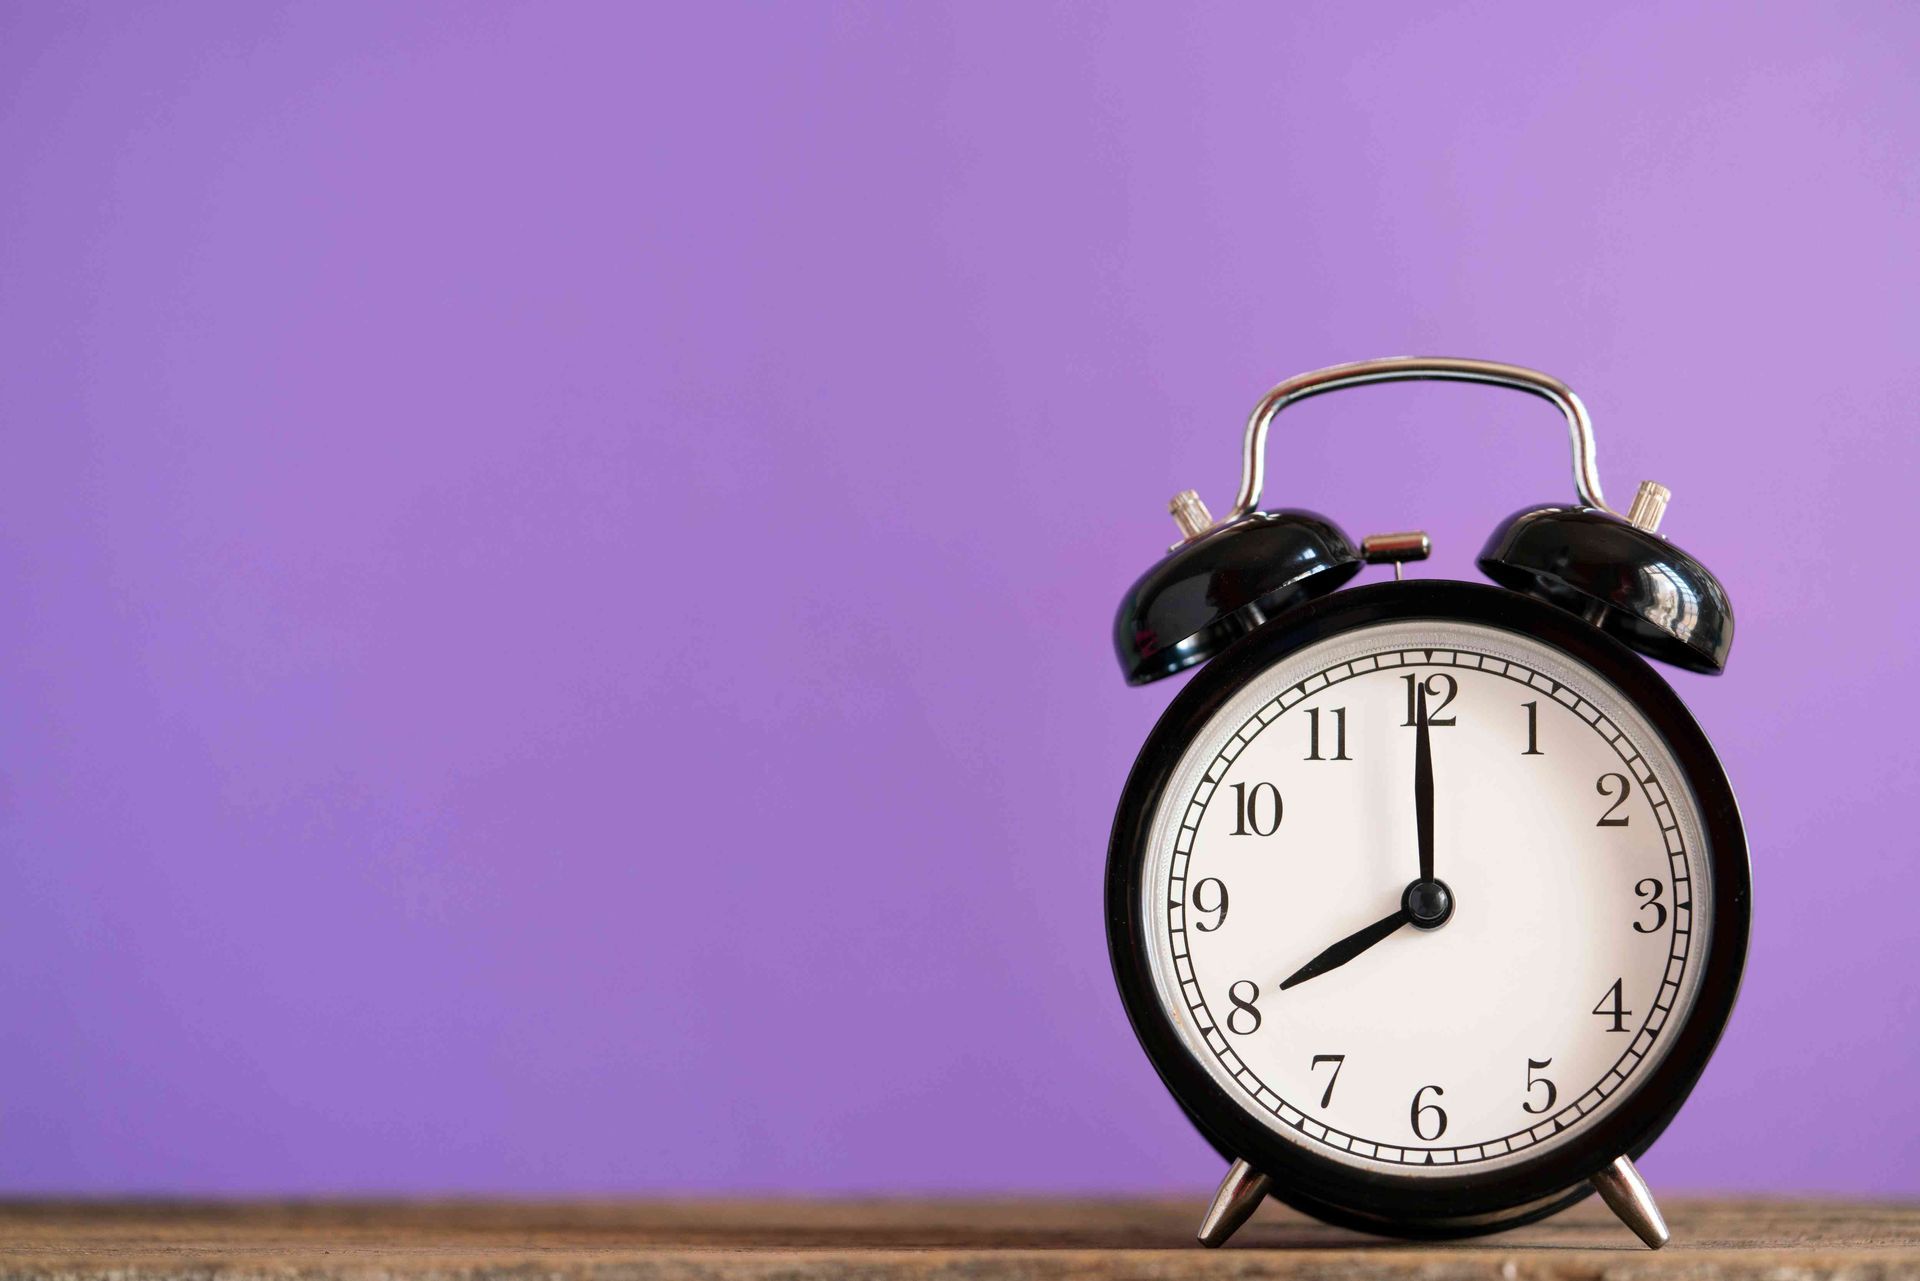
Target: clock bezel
<point>1429,1204</point>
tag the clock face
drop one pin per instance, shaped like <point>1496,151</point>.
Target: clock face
<point>1383,1020</point>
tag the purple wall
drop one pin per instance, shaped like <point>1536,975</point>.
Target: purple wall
<point>557,559</point>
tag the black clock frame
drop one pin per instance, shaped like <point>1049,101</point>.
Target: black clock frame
<point>1472,1201</point>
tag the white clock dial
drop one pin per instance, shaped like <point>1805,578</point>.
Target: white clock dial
<point>1564,830</point>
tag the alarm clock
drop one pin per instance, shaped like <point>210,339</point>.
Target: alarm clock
<point>1428,900</point>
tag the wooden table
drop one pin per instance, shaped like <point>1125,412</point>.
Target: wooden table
<point>1776,1240</point>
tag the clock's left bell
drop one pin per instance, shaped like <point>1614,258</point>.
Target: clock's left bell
<point>1221,581</point>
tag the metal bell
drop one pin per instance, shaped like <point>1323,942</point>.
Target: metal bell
<point>1620,576</point>
<point>1223,581</point>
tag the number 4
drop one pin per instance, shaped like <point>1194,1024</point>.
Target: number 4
<point>1614,1011</point>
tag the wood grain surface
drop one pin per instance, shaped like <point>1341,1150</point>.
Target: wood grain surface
<point>1776,1240</point>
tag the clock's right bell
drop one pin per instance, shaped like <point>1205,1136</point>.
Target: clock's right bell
<point>1622,577</point>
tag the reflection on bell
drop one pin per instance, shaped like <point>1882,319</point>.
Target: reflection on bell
<point>1628,581</point>
<point>1223,582</point>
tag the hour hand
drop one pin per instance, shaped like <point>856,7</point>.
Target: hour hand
<point>1348,948</point>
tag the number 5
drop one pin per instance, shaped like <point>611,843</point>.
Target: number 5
<point>1553,1095</point>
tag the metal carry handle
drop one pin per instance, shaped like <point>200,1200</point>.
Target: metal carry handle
<point>1586,472</point>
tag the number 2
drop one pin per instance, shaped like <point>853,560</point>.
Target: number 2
<point>1626,789</point>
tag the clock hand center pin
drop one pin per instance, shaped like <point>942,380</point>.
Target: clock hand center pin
<point>1427,904</point>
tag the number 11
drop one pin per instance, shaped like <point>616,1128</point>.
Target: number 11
<point>1339,735</point>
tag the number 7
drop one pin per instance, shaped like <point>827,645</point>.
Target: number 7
<point>1338,1060</point>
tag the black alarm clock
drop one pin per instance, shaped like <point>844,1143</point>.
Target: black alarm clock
<point>1428,900</point>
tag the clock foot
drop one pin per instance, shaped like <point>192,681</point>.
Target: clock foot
<point>1625,1193</point>
<point>1239,1196</point>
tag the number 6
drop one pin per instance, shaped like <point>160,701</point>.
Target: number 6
<point>1419,1109</point>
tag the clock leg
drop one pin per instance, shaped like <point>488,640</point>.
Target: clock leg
<point>1239,1196</point>
<point>1625,1193</point>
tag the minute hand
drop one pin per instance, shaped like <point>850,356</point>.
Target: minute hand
<point>1423,785</point>
<point>1348,948</point>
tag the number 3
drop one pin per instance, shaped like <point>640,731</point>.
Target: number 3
<point>1649,889</point>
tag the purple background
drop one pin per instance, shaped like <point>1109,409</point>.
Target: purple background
<point>557,559</point>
